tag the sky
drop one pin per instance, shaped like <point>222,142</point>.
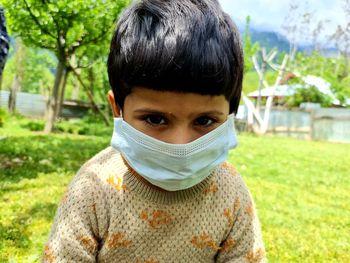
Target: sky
<point>270,14</point>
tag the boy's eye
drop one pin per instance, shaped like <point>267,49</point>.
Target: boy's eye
<point>154,119</point>
<point>204,121</point>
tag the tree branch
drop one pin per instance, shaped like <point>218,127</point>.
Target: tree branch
<point>37,21</point>
<point>81,41</point>
<point>90,95</point>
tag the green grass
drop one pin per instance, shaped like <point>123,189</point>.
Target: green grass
<point>301,190</point>
<point>251,80</point>
<point>35,170</point>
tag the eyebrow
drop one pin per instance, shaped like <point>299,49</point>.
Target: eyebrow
<point>152,111</point>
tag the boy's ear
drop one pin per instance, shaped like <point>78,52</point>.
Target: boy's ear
<point>115,107</point>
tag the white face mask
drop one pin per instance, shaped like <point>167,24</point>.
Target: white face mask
<point>174,166</point>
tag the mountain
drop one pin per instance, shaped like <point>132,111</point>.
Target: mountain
<point>270,39</point>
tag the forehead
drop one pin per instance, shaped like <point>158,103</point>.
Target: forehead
<point>171,101</point>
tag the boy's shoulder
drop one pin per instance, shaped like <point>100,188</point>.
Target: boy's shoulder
<point>104,164</point>
<point>229,180</point>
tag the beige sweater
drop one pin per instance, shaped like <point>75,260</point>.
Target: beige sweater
<point>110,214</point>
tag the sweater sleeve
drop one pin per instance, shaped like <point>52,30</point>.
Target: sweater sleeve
<point>244,241</point>
<point>75,231</point>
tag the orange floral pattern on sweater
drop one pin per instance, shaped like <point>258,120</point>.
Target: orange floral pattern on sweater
<point>249,210</point>
<point>204,241</point>
<point>255,256</point>
<point>89,243</point>
<point>236,205</point>
<point>228,245</point>
<point>117,183</point>
<point>229,216</point>
<point>212,188</point>
<point>157,218</point>
<point>116,240</point>
<point>230,168</point>
<point>229,213</point>
<point>48,255</point>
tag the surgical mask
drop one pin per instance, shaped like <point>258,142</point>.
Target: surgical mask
<point>174,167</point>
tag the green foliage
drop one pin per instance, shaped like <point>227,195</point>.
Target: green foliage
<point>91,124</point>
<point>251,80</point>
<point>334,70</point>
<point>308,94</point>
<point>39,68</point>
<point>34,125</point>
<point>3,116</point>
<point>71,29</point>
<point>95,78</point>
<point>249,48</point>
<point>37,73</point>
<point>62,25</point>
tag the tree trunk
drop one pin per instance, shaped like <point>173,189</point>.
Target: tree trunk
<point>13,94</point>
<point>75,91</point>
<point>76,84</point>
<point>269,100</point>
<point>54,100</point>
<point>63,88</point>
<point>262,77</point>
<point>91,97</point>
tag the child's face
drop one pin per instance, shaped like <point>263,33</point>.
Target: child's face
<point>173,117</point>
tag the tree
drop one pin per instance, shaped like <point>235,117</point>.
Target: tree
<point>63,27</point>
<point>266,60</point>
<point>301,26</point>
<point>17,80</point>
<point>291,28</point>
<point>249,48</point>
<point>332,69</point>
<point>37,72</point>
<point>341,38</point>
<point>253,113</point>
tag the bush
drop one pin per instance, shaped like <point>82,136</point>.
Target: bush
<point>89,125</point>
<point>308,94</point>
<point>3,116</point>
<point>67,127</point>
<point>35,125</point>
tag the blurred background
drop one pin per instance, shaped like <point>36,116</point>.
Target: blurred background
<point>293,121</point>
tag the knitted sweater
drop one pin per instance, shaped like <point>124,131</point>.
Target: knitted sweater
<point>110,214</point>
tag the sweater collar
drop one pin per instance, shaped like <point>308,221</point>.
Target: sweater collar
<point>137,184</point>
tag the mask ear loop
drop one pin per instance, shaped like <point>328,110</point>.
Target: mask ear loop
<point>121,111</point>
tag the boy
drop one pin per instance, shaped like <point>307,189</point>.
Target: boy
<point>163,192</point>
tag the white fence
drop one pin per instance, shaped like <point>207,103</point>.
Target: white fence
<point>33,105</point>
<point>328,124</point>
<point>30,105</point>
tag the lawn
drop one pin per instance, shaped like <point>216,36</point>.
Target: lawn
<point>301,189</point>
<point>302,192</point>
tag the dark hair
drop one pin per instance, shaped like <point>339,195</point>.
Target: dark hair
<point>176,45</point>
